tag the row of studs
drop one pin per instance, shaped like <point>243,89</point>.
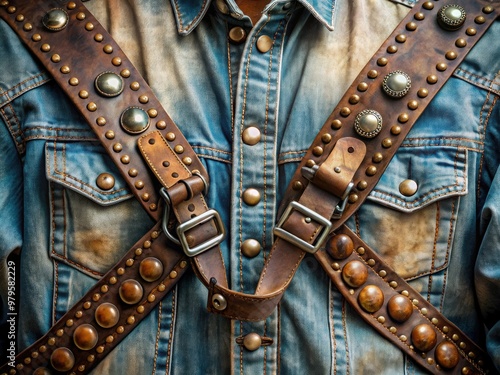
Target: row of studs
<point>354,273</point>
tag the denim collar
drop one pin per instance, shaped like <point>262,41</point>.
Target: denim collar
<point>188,13</point>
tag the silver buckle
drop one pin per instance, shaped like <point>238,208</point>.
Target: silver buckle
<point>293,239</point>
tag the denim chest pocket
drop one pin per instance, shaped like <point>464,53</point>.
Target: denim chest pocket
<point>95,218</point>
<point>410,216</point>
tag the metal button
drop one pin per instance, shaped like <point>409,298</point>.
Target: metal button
<point>339,246</point>
<point>264,43</point>
<point>105,181</point>
<point>408,188</point>
<point>423,337</point>
<point>251,135</point>
<point>131,291</point>
<point>451,17</point>
<point>151,269</point>
<point>355,273</point>
<point>400,308</point>
<point>368,123</point>
<point>219,302</point>
<point>251,196</point>
<point>107,315</point>
<point>396,84</point>
<point>55,19</point>
<point>250,248</point>
<point>371,298</point>
<point>447,355</point>
<point>237,35</point>
<point>252,341</point>
<point>134,120</point>
<point>109,84</point>
<point>62,359</point>
<point>85,337</point>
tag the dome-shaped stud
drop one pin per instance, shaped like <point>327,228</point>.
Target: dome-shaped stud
<point>85,336</point>
<point>368,123</point>
<point>355,273</point>
<point>400,308</point>
<point>219,302</point>
<point>424,337</point>
<point>62,359</point>
<point>396,84</point>
<point>134,120</point>
<point>109,84</point>
<point>252,341</point>
<point>105,181</point>
<point>339,246</point>
<point>55,19</point>
<point>447,355</point>
<point>451,17</point>
<point>371,298</point>
<point>131,291</point>
<point>151,269</point>
<point>107,315</point>
<point>42,371</point>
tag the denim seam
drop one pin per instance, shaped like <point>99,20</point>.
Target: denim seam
<point>17,135</point>
<point>448,250</point>
<point>434,250</point>
<point>172,328</point>
<point>157,338</point>
<point>344,325</point>
<point>488,83</point>
<point>195,19</point>
<point>19,93</point>
<point>55,291</point>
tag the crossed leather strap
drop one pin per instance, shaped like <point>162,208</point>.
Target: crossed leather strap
<point>343,164</point>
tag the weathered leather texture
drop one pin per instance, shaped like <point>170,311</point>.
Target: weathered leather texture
<point>337,157</point>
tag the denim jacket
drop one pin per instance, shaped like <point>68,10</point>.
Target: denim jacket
<point>250,114</point>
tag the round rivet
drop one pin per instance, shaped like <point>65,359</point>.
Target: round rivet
<point>151,269</point>
<point>362,87</point>
<point>55,19</point>
<point>105,181</point>
<point>412,104</point>
<point>451,17</point>
<point>92,107</point>
<point>179,149</point>
<point>219,302</point>
<point>135,86</point>
<point>74,81</point>
<point>252,342</point>
<point>85,336</point>
<point>345,111</point>
<point>109,84</point>
<point>466,371</point>
<point>45,48</point>
<point>251,248</point>
<point>422,93</point>
<point>298,186</point>
<point>27,26</point>
<point>237,35</point>
<point>326,138</point>
<point>461,43</point>
<point>396,130</point>
<point>403,118</point>
<point>62,359</point>
<point>116,61</point>
<point>80,16</point>
<point>139,185</point>
<point>368,123</point>
<point>371,298</point>
<point>143,99</point>
<point>419,16</point>
<point>55,58</point>
<point>362,185</point>
<point>479,20</point>
<point>428,5</point>
<point>134,120</point>
<point>41,371</point>
<point>411,26</point>
<point>20,18</point>
<point>264,43</point>
<point>317,151</point>
<point>170,137</point>
<point>108,48</point>
<point>89,26</point>
<point>400,308</point>
<point>408,188</point>
<point>447,355</point>
<point>488,9</point>
<point>354,99</point>
<point>353,198</point>
<point>12,9</point>
<point>339,246</point>
<point>424,337</point>
<point>354,273</point>
<point>110,134</point>
<point>107,315</point>
<point>251,135</point>
<point>131,291</point>
<point>392,49</point>
<point>382,61</point>
<point>36,37</point>
<point>372,74</point>
<point>396,84</point>
<point>336,124</point>
<point>377,158</point>
<point>117,147</point>
<point>125,73</point>
<point>371,171</point>
<point>401,38</point>
<point>471,31</point>
<point>251,196</point>
<point>153,113</point>
<point>432,79</point>
<point>451,55</point>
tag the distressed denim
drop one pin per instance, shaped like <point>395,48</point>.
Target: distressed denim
<point>444,240</point>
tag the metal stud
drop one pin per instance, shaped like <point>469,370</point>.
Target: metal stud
<point>354,273</point>
<point>396,84</point>
<point>134,120</point>
<point>107,315</point>
<point>368,123</point>
<point>219,302</point>
<point>451,17</point>
<point>371,298</point>
<point>41,371</point>
<point>62,359</point>
<point>55,19</point>
<point>252,341</point>
<point>424,337</point>
<point>400,308</point>
<point>447,355</point>
<point>105,181</point>
<point>339,246</point>
<point>251,248</point>
<point>408,188</point>
<point>85,337</point>
<point>131,291</point>
<point>109,84</point>
<point>151,269</point>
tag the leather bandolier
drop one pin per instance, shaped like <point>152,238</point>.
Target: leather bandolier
<point>343,164</point>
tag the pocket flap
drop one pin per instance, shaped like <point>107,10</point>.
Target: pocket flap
<point>78,165</point>
<point>438,172</point>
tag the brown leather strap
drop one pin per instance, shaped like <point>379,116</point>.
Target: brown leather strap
<point>311,205</point>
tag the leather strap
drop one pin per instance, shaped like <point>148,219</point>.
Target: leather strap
<point>306,223</point>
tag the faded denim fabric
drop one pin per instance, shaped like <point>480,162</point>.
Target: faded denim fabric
<point>444,239</point>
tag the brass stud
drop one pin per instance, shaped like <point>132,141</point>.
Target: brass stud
<point>451,55</point>
<point>251,248</point>
<point>219,302</point>
<point>405,293</point>
<point>392,49</point>
<point>108,48</point>
<point>151,298</point>
<point>120,329</point>
<point>403,118</point>
<point>345,111</point>
<point>400,308</point>
<point>382,61</point>
<point>125,159</point>
<point>428,5</point>
<point>152,113</point>
<point>393,330</point>
<point>310,163</point>
<point>81,368</point>
<point>353,198</point>
<point>471,31</point>
<point>371,170</point>
<point>4,3</point>
<point>317,151</point>
<point>151,269</point>
<point>131,291</point>
<point>393,284</point>
<point>92,107</point>
<point>488,9</point>
<point>100,349</point>
<point>480,20</point>
<point>382,273</point>
<point>27,26</point>
<point>80,16</point>
<point>403,338</point>
<point>96,297</point>
<point>125,73</point>
<point>462,345</point>
<point>85,337</point>
<point>297,186</point>
<point>98,38</point>
<point>179,149</point>
<point>62,359</point>
<point>419,16</point>
<point>336,124</point>
<point>146,244</point>
<point>354,99</point>
<point>422,93</point>
<point>251,196</point>
<point>441,67</point>
<point>413,105</point>
<point>11,10</point>
<point>113,280</point>
<point>361,250</point>
<point>411,26</point>
<point>381,319</point>
<point>252,342</point>
<point>140,309</point>
<point>377,158</point>
<point>396,130</point>
<point>70,322</point>
<point>133,172</point>
<point>83,94</point>
<point>432,79</point>
<point>424,337</point>
<point>408,188</point>
<point>45,47</point>
<point>101,121</point>
<point>65,69</point>
<point>336,266</point>
<point>162,287</point>
<point>116,61</point>
<point>362,87</point>
<point>339,246</point>
<point>371,298</point>
<point>74,81</point>
<point>355,273</point>
<point>237,35</point>
<point>143,99</point>
<point>447,355</point>
<point>20,18</point>
<point>110,339</point>
<point>372,74</point>
<point>117,147</point>
<point>184,264</point>
<point>55,58</point>
<point>387,143</point>
<point>89,26</point>
<point>42,349</point>
<point>170,137</point>
<point>139,185</point>
<point>135,86</point>
<point>362,185</point>
<point>264,43</point>
<point>36,37</point>
<point>371,262</point>
<point>401,38</point>
<point>461,43</point>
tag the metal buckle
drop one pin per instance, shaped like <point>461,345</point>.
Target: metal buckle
<point>339,210</point>
<point>293,239</point>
